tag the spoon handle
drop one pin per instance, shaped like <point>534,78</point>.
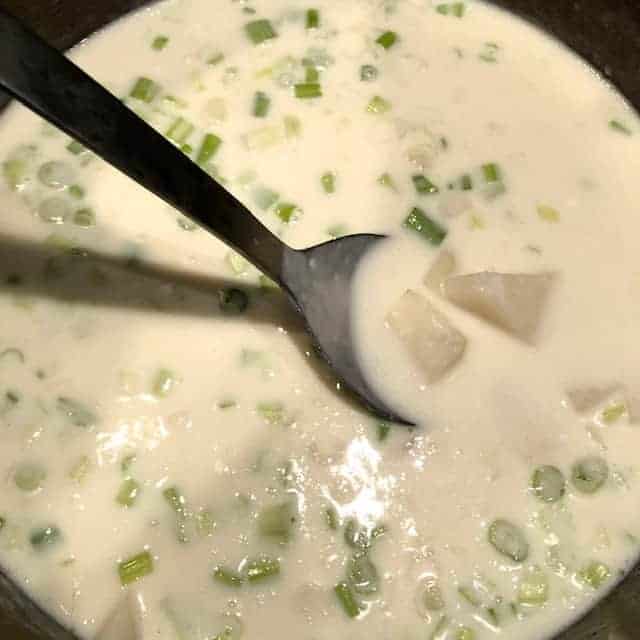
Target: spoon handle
<point>51,85</point>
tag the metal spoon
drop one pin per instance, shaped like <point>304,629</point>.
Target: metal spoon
<point>318,280</point>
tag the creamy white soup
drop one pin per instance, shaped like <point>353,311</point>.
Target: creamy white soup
<point>177,462</point>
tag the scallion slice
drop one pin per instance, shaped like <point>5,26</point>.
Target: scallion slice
<point>423,185</point>
<point>368,73</point>
<point>308,90</point>
<point>145,89</point>
<point>312,19</point>
<point>328,182</point>
<point>347,599</point>
<point>208,148</point>
<point>620,127</point>
<point>387,39</point>
<point>159,43</point>
<point>378,105</point>
<point>421,223</point>
<point>491,172</point>
<point>134,568</point>
<point>128,493</point>
<point>260,31</point>
<point>261,104</point>
<point>180,130</point>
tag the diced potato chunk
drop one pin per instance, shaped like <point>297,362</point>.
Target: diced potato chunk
<point>512,301</point>
<point>441,269</point>
<point>427,334</point>
<point>590,396</point>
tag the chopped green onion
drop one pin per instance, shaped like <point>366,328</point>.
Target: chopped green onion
<point>232,301</point>
<point>261,104</point>
<point>135,568</point>
<point>84,217</point>
<point>387,39</point>
<point>45,537</point>
<point>507,539</point>
<point>287,211</point>
<point>548,483</point>
<point>595,574</point>
<point>3,522</point>
<point>386,180</point>
<point>271,412</point>
<point>421,223</point>
<point>260,31</point>
<point>456,9</point>
<point>491,172</point>
<point>160,42</point>
<point>215,59</point>
<point>187,149</point>
<point>312,19</point>
<point>489,53</point>
<point>145,89</point>
<point>347,599</point>
<point>76,148</point>
<point>163,383</point>
<point>208,148</point>
<point>368,73</point>
<point>466,183</point>
<point>227,577</point>
<point>307,90</point>
<point>311,75</point>
<point>29,476</point>
<point>277,521</point>
<point>534,590</point>
<point>78,414</point>
<point>128,493</point>
<point>423,185</point>
<point>185,224</point>
<point>261,568</point>
<point>378,105</point>
<point>328,182</point>
<point>618,126</point>
<point>614,412</point>
<point>180,130</point>
<point>589,474</point>
<point>465,633</point>
<point>76,191</point>
<point>547,213</point>
<point>176,500</point>
<point>362,575</point>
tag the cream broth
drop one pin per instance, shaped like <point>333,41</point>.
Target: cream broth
<point>177,462</point>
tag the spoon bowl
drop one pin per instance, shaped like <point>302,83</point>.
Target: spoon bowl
<point>318,280</point>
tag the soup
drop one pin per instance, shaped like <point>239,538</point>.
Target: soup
<point>179,464</point>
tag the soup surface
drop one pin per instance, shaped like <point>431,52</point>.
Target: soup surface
<point>178,464</point>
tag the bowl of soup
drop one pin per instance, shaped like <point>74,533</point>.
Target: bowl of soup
<point>178,463</point>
